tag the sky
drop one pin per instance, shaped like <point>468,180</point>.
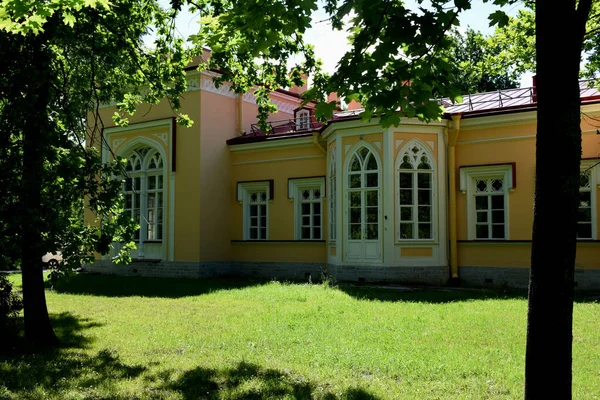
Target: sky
<point>331,45</point>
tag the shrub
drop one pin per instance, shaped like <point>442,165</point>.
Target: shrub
<point>10,305</point>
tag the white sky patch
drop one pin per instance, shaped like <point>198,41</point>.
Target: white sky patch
<point>331,45</point>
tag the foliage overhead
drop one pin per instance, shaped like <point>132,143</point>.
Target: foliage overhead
<point>95,55</point>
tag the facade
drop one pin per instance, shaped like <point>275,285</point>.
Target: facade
<point>417,203</point>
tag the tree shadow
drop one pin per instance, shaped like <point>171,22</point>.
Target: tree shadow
<point>69,367</point>
<point>441,295</point>
<point>118,286</point>
<point>425,294</point>
<point>249,381</point>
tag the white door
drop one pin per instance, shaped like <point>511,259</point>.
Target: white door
<point>363,208</point>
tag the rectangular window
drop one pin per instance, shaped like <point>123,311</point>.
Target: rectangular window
<point>257,210</point>
<point>490,209</point>
<point>416,201</point>
<point>307,194</point>
<point>584,213</point>
<point>255,197</point>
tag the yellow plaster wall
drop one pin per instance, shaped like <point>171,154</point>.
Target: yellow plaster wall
<point>279,252</point>
<point>281,209</point>
<point>187,176</point>
<point>518,255</point>
<point>218,124</point>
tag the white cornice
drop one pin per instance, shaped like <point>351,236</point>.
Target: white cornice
<point>356,126</point>
<point>510,119</point>
<point>272,145</point>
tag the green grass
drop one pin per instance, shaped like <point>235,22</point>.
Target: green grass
<point>143,338</point>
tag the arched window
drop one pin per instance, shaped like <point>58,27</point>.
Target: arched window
<point>302,120</point>
<point>332,195</point>
<point>414,167</point>
<point>363,188</point>
<point>143,191</point>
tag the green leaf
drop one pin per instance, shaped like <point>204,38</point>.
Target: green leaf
<point>498,18</point>
<point>69,19</point>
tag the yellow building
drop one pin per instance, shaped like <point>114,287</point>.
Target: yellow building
<point>414,203</point>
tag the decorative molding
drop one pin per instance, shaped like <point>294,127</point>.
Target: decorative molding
<point>306,141</point>
<point>399,143</point>
<point>163,137</point>
<point>378,144</point>
<point>192,83</point>
<point>431,144</point>
<point>117,143</point>
<point>208,85</point>
<point>347,148</point>
<point>277,159</point>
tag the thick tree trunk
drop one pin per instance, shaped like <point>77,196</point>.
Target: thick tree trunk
<point>38,330</point>
<point>558,153</point>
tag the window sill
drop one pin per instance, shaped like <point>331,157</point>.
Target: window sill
<point>417,241</point>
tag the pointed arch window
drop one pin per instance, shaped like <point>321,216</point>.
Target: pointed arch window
<point>363,196</point>
<point>332,196</point>
<point>143,191</point>
<point>415,193</point>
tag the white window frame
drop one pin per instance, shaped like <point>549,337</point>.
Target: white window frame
<point>244,191</point>
<point>302,120</point>
<point>434,186</point>
<point>143,192</point>
<point>592,173</point>
<point>468,175</point>
<point>295,188</point>
<point>332,179</point>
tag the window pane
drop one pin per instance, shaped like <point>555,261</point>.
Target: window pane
<point>584,215</point>
<point>253,233</point>
<point>151,182</point>
<point>372,180</point>
<point>355,164</point>
<point>263,233</point>
<point>305,233</point>
<point>424,197</point>
<point>128,184</point>
<point>424,214</point>
<point>406,231</point>
<point>354,181</point>
<point>305,220</point>
<point>424,231</point>
<point>253,211</point>
<point>364,152</point>
<point>406,180</point>
<point>355,200</point>
<point>305,208</point>
<point>263,221</point>
<point>355,215</point>
<point>316,233</point>
<point>498,231</point>
<point>371,163</point>
<point>406,213</point>
<point>584,231</point>
<point>137,183</point>
<point>482,216</point>
<point>372,231</point>
<point>317,220</point>
<point>372,214</point>
<point>160,182</point>
<point>497,185</point>
<point>482,232</point>
<point>481,202</point>
<point>128,201</point>
<point>159,215</point>
<point>424,181</point>
<point>159,234</point>
<point>585,199</point>
<point>406,196</point>
<point>498,217</point>
<point>316,208</point>
<point>372,198</point>
<point>498,202</point>
<point>355,231</point>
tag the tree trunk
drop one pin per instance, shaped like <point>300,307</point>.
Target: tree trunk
<point>38,330</point>
<point>558,154</point>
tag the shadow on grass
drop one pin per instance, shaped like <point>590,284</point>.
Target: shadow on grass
<point>428,294</point>
<point>250,381</point>
<point>65,369</point>
<point>118,286</point>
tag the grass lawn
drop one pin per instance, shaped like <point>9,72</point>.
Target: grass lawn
<point>128,338</point>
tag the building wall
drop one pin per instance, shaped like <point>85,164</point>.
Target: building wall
<point>511,139</point>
